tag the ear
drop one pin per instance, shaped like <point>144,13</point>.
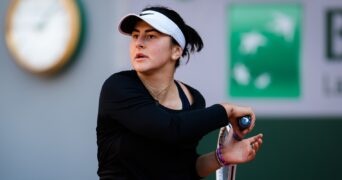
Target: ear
<point>176,52</point>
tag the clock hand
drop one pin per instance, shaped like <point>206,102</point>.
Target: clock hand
<point>47,14</point>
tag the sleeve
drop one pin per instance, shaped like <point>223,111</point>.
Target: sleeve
<point>124,99</point>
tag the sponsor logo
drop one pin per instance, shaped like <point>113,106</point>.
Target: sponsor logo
<point>264,58</point>
<point>334,34</point>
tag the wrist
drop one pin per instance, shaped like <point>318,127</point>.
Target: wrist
<point>219,157</point>
<point>228,108</point>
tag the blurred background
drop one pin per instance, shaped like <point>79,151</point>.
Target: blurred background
<point>283,58</point>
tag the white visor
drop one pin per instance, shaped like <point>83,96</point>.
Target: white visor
<point>157,20</point>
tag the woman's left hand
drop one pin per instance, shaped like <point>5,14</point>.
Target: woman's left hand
<point>236,152</point>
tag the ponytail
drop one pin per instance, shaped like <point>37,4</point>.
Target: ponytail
<point>194,42</point>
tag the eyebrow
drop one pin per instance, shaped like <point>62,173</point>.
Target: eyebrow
<point>148,30</point>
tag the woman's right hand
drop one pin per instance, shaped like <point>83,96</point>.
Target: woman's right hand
<point>234,113</point>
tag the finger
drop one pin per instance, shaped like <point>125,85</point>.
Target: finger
<point>252,123</point>
<point>253,118</point>
<point>239,134</point>
<point>251,114</point>
<point>253,146</point>
<point>260,140</point>
<point>257,144</point>
<point>244,132</point>
<point>255,138</point>
<point>251,155</point>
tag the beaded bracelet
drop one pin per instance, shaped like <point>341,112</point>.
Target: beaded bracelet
<point>219,157</point>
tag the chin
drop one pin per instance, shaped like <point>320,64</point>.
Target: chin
<point>141,69</point>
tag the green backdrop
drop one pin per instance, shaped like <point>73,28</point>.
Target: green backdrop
<point>293,149</point>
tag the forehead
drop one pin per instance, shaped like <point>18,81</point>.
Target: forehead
<point>144,26</point>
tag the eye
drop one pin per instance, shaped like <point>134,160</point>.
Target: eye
<point>135,36</point>
<point>150,36</point>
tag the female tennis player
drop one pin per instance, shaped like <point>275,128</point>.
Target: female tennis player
<point>149,124</point>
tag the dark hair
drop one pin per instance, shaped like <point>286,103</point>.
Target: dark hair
<point>193,41</point>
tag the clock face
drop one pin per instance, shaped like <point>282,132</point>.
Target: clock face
<point>42,34</point>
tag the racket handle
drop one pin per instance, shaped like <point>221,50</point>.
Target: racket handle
<point>244,122</point>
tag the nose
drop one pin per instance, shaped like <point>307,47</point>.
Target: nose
<point>140,42</point>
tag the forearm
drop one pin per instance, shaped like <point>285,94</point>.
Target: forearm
<point>207,164</point>
<point>151,121</point>
<point>126,101</point>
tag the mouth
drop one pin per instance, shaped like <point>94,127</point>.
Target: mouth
<point>140,56</point>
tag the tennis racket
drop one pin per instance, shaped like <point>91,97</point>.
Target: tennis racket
<point>225,172</point>
<point>229,172</point>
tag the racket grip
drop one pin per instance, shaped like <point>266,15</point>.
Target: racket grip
<point>244,122</point>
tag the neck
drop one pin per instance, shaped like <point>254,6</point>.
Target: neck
<point>158,85</point>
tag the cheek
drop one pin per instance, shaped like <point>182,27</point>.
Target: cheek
<point>131,51</point>
<point>162,51</point>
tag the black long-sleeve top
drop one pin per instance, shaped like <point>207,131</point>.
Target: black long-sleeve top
<point>138,138</point>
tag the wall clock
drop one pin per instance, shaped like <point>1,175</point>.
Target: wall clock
<point>42,35</point>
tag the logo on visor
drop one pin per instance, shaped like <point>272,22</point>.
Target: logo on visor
<point>143,14</point>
